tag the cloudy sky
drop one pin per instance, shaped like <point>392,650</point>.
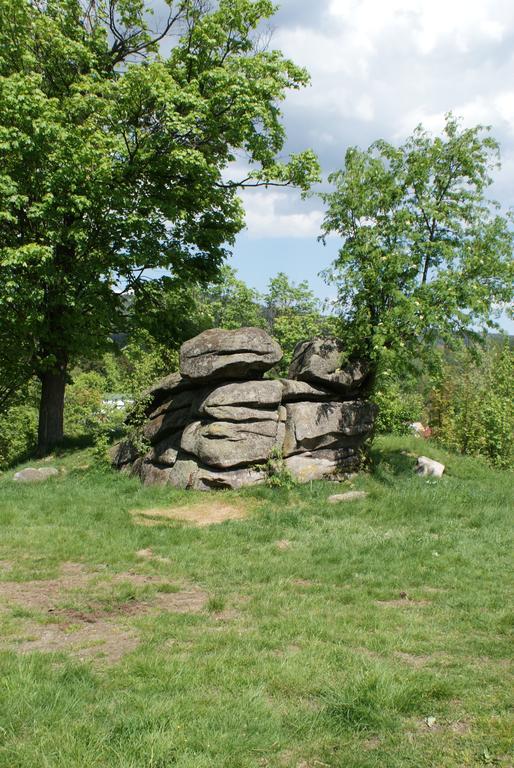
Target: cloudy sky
<point>378,68</point>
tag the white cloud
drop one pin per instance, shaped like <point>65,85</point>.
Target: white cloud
<point>496,110</point>
<point>379,67</point>
<point>273,213</point>
<point>430,23</point>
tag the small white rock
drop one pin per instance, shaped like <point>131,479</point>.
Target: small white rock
<point>429,468</point>
<point>349,496</point>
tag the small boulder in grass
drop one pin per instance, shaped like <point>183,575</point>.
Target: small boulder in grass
<point>31,475</point>
<point>426,467</point>
<point>339,498</point>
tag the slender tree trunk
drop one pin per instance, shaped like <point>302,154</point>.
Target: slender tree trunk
<point>51,408</point>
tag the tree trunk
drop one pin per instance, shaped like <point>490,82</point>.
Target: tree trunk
<point>51,409</point>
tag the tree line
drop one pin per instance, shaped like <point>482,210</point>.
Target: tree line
<point>119,196</point>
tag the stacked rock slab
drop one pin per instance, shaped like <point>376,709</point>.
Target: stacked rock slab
<point>217,422</point>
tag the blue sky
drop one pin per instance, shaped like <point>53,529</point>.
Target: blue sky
<point>378,68</point>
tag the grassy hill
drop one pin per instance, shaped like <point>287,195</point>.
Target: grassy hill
<point>305,634</point>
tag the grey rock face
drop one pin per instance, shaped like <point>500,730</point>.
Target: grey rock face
<point>223,444</point>
<point>154,474</point>
<point>306,467</point>
<point>252,399</point>
<point>173,403</point>
<point>301,392</point>
<point>318,362</point>
<point>221,354</point>
<point>188,473</point>
<point>323,464</point>
<point>165,452</point>
<point>169,385</point>
<point>166,423</point>
<point>218,423</point>
<point>31,475</point>
<point>123,453</point>
<point>311,426</point>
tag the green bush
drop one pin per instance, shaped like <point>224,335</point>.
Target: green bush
<point>471,407</point>
<point>18,433</point>
<point>397,408</point>
<point>86,412</point>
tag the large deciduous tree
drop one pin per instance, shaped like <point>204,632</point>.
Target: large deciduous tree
<point>425,256</point>
<point>115,161</point>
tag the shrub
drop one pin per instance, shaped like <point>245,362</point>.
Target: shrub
<point>471,407</point>
<point>397,408</point>
<point>277,473</point>
<point>86,411</point>
<point>18,433</point>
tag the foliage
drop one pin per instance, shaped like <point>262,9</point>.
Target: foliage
<point>294,314</point>
<point>425,256</point>
<point>277,473</point>
<point>87,411</point>
<point>471,407</point>
<point>230,303</point>
<point>113,161</point>
<point>317,658</point>
<point>140,363</point>
<point>398,406</point>
<point>18,432</point>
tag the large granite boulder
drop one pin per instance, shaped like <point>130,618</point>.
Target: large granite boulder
<point>318,362</point>
<point>218,423</point>
<point>219,354</point>
<point>311,426</point>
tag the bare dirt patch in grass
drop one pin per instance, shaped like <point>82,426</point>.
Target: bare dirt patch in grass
<point>305,583</point>
<point>413,660</point>
<point>148,554</point>
<point>43,594</point>
<point>402,602</point>
<point>104,639</point>
<point>283,544</point>
<point>373,743</point>
<point>206,513</point>
<point>101,629</point>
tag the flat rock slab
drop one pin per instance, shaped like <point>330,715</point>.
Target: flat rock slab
<point>208,513</point>
<point>227,445</point>
<point>170,385</point>
<point>243,401</point>
<point>222,354</point>
<point>31,475</point>
<point>305,468</point>
<point>301,391</point>
<point>339,498</point>
<point>190,474</point>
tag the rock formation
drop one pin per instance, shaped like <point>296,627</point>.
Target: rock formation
<point>217,422</point>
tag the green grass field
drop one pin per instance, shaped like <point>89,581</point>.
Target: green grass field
<point>373,633</point>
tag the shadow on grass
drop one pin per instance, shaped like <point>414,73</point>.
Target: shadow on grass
<point>65,448</point>
<point>386,464</point>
